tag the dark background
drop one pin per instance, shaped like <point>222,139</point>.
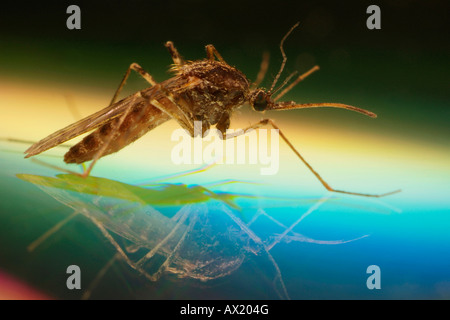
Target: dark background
<point>400,72</point>
<point>324,23</point>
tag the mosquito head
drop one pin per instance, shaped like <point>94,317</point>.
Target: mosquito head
<point>261,100</point>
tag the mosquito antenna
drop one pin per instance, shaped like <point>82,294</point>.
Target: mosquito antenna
<point>293,84</point>
<point>262,69</point>
<point>284,56</point>
<point>289,77</point>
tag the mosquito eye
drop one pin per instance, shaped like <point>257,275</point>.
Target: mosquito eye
<point>260,103</point>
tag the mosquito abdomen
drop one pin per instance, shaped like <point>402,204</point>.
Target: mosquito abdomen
<point>142,118</point>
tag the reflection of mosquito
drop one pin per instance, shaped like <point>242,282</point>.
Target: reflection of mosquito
<point>127,217</point>
<point>192,243</point>
<point>206,90</point>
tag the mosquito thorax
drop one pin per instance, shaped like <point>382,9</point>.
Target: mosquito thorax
<point>260,99</point>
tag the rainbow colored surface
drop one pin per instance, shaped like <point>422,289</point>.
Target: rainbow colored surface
<point>143,227</point>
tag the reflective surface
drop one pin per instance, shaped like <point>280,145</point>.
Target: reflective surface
<point>231,239</point>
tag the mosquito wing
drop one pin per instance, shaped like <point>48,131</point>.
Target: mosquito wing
<point>156,94</point>
<point>84,125</point>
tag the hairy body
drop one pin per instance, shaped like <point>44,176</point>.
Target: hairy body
<point>204,90</point>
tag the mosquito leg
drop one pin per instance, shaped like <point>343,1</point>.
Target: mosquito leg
<point>185,210</point>
<point>169,106</point>
<point>108,236</point>
<point>176,113</point>
<point>176,57</point>
<point>109,139</point>
<point>134,66</point>
<point>50,232</point>
<point>211,51</point>
<point>300,78</point>
<point>322,181</point>
<point>87,294</point>
<point>177,109</point>
<point>262,69</point>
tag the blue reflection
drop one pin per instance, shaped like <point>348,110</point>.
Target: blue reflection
<point>249,243</point>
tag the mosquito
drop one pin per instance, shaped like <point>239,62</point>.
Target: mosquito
<point>206,90</point>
